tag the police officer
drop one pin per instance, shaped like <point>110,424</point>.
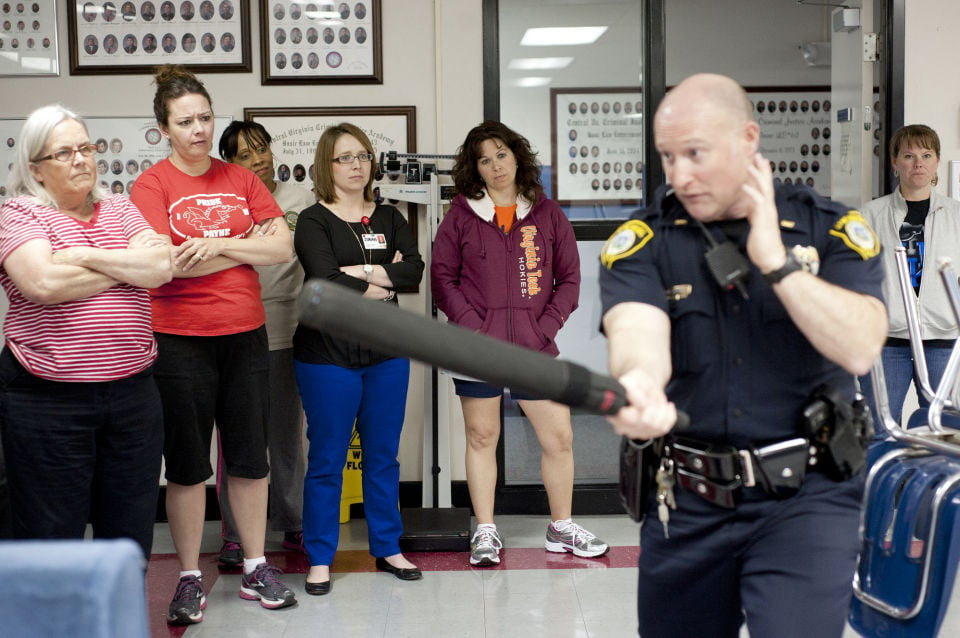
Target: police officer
<point>740,340</point>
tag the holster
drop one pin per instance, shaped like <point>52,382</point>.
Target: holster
<point>638,467</point>
<point>839,432</point>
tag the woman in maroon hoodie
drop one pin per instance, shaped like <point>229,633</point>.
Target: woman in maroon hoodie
<point>505,264</point>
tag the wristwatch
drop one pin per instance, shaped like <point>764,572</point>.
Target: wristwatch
<point>789,266</point>
<point>368,270</point>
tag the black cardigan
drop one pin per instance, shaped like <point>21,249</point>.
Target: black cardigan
<point>324,242</point>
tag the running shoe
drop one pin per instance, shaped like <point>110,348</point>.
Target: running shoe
<point>573,538</point>
<point>264,584</point>
<point>485,547</point>
<point>188,603</point>
<point>231,555</point>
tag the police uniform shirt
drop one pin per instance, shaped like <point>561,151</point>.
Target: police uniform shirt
<point>742,369</point>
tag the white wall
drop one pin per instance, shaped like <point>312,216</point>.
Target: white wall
<point>932,96</point>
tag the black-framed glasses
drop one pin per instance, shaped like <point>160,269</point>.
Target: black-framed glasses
<point>347,158</point>
<point>66,154</point>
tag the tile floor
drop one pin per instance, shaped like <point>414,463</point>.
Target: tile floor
<point>531,593</point>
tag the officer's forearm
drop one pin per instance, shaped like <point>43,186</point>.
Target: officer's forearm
<point>638,337</point>
<point>847,327</point>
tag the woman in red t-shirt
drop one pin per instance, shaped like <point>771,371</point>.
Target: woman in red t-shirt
<point>209,325</point>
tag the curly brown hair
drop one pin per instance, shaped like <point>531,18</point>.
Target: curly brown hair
<point>174,81</point>
<point>466,177</point>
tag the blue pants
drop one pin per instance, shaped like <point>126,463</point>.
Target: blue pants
<point>79,452</point>
<point>898,373</point>
<point>333,398</point>
<point>787,564</point>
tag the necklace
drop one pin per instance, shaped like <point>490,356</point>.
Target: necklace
<point>368,256</point>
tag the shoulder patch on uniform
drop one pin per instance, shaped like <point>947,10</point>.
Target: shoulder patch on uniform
<point>626,240</point>
<point>857,234</point>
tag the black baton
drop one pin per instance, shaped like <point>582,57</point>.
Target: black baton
<point>387,328</point>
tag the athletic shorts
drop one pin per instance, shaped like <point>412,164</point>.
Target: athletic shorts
<point>207,380</point>
<point>481,390</point>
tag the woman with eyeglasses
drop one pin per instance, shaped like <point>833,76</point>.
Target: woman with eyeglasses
<point>349,239</point>
<point>212,366</point>
<point>79,409</point>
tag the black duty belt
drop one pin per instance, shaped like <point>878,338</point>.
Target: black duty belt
<point>718,472</point>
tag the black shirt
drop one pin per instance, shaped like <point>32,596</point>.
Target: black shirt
<point>324,242</point>
<point>911,236</point>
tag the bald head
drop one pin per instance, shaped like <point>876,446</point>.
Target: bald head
<point>707,139</point>
<point>709,92</point>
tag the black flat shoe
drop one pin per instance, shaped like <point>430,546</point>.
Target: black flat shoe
<point>403,573</point>
<point>317,589</point>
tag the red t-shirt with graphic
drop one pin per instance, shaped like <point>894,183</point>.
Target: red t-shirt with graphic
<point>226,201</point>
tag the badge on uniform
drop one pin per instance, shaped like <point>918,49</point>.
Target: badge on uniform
<point>808,257</point>
<point>856,233</point>
<point>628,239</point>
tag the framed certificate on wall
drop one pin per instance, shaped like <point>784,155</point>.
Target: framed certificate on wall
<point>320,42</point>
<point>134,36</point>
<point>597,145</point>
<point>28,38</point>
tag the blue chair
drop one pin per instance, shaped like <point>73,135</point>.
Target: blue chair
<point>910,525</point>
<point>93,589</point>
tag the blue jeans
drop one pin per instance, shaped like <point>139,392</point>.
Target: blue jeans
<point>898,372</point>
<point>333,398</point>
<point>79,452</point>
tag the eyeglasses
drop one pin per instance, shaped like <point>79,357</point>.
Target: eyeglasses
<point>66,154</point>
<point>348,159</point>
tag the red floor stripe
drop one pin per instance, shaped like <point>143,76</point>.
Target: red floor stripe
<point>164,568</point>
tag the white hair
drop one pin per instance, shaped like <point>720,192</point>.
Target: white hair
<point>33,137</point>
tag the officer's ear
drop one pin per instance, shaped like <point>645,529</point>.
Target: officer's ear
<point>750,134</point>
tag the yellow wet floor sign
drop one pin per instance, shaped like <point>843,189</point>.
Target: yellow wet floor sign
<point>352,478</point>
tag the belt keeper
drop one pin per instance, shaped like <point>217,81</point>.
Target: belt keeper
<point>747,478</point>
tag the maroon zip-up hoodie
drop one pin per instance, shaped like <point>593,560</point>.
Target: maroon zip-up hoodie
<point>519,286</point>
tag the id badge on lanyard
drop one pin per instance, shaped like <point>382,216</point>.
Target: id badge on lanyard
<point>374,241</point>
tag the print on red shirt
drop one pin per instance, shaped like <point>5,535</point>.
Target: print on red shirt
<point>210,215</point>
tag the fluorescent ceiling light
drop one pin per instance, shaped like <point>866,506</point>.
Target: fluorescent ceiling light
<point>561,36</point>
<point>531,81</point>
<point>537,64</point>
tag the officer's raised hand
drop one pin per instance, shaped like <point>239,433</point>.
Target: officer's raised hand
<point>764,245</point>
